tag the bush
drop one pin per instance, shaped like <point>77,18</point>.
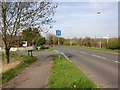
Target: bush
<point>113,44</point>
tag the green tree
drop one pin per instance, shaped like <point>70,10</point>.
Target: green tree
<point>30,34</point>
<point>16,16</point>
<point>53,40</point>
<point>40,41</point>
<point>62,40</point>
<point>113,43</point>
<point>50,39</point>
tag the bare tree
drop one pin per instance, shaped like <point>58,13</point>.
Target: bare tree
<point>16,16</point>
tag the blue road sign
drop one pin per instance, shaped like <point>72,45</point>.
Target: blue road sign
<point>58,32</point>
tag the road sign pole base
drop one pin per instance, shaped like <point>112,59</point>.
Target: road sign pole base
<point>59,56</point>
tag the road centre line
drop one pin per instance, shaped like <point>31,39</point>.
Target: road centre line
<point>84,52</point>
<point>98,56</point>
<point>70,49</point>
<point>80,51</point>
<point>117,61</point>
<point>56,50</point>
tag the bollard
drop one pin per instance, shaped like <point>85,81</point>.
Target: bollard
<point>30,53</point>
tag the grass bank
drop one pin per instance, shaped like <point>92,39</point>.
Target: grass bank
<point>93,48</point>
<point>104,49</point>
<point>66,75</point>
<point>11,73</point>
<point>13,57</point>
<point>44,50</point>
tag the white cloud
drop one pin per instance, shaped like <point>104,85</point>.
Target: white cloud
<point>68,16</point>
<point>81,10</point>
<point>84,21</point>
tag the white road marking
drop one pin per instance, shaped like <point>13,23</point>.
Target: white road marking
<point>56,50</point>
<point>68,49</point>
<point>71,50</point>
<point>63,54</point>
<point>84,52</point>
<point>98,56</point>
<point>117,61</point>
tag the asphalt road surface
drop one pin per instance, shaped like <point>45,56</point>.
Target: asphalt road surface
<point>101,67</point>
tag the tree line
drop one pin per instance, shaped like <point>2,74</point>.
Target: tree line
<point>33,37</point>
<point>111,43</point>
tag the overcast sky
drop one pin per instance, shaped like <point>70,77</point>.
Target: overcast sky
<point>80,19</point>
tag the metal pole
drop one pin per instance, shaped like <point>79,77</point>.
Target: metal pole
<point>59,47</point>
<point>70,42</point>
<point>100,42</point>
<point>107,40</point>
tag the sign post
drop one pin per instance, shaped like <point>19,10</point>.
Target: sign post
<point>58,33</point>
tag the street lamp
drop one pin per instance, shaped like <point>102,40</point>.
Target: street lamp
<point>98,13</point>
<point>69,37</point>
<point>100,42</point>
<point>107,38</point>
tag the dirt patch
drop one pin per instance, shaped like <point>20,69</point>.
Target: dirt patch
<point>5,66</point>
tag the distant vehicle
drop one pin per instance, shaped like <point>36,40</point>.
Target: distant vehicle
<point>51,45</point>
<point>24,44</point>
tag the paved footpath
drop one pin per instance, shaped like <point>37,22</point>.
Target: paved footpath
<point>35,76</point>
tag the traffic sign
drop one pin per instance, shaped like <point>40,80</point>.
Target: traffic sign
<point>58,32</point>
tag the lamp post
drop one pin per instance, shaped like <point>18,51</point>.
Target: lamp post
<point>107,39</point>
<point>98,13</point>
<point>70,41</point>
<point>69,37</point>
<point>100,42</point>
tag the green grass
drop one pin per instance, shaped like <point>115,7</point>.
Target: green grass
<point>66,75</point>
<point>13,57</point>
<point>104,49</point>
<point>0,56</point>
<point>93,48</point>
<point>44,50</point>
<point>11,73</point>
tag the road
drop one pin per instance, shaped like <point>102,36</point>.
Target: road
<point>101,67</point>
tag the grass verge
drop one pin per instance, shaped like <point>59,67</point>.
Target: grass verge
<point>44,50</point>
<point>103,49</point>
<point>66,75</point>
<point>13,57</point>
<point>93,48</point>
<point>11,73</point>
